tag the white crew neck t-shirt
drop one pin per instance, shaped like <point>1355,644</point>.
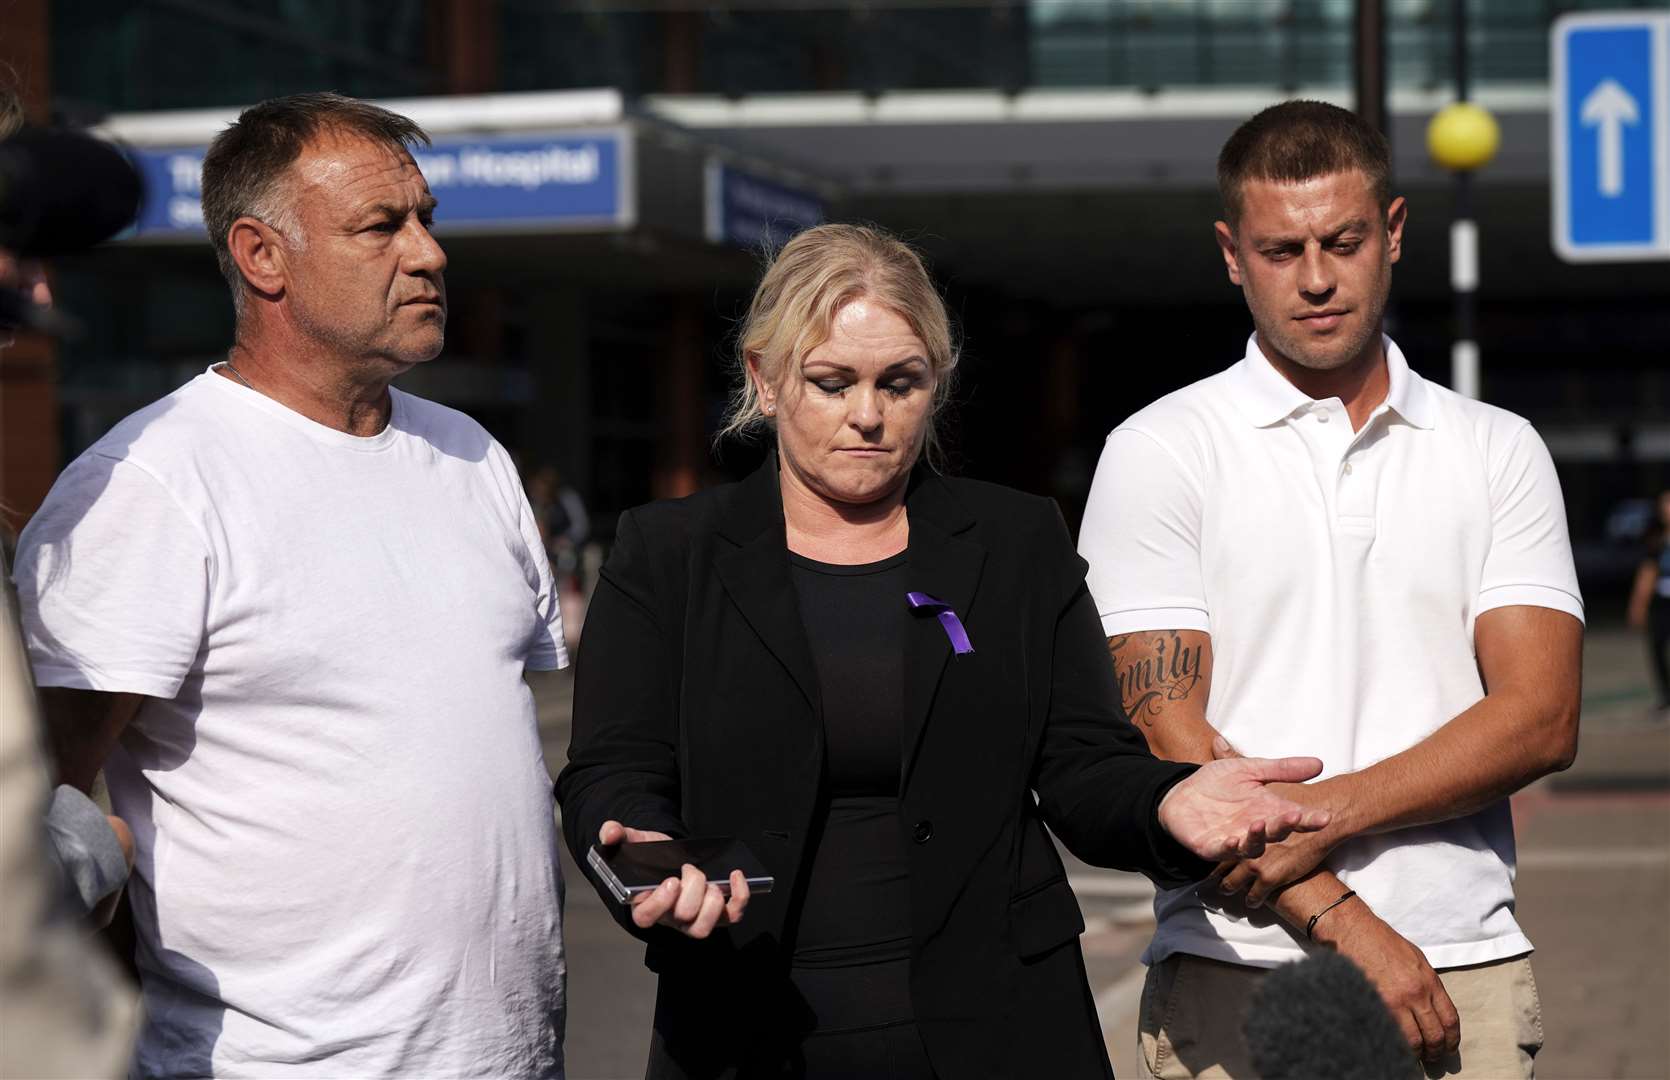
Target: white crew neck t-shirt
<point>347,859</point>
<point>1339,575</point>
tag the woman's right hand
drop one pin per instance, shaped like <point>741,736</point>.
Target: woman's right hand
<point>688,903</point>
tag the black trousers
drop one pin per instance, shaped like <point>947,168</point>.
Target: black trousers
<point>863,1027</point>
<point>819,1023</point>
<point>1658,646</point>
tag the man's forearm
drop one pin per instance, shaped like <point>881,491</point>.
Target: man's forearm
<point>1164,680</point>
<point>1479,758</point>
<point>1523,728</point>
<point>1306,897</point>
<point>82,727</point>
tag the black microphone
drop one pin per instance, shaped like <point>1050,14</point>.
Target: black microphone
<point>1321,1019</point>
<point>62,192</point>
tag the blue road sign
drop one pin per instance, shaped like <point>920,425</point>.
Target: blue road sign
<point>566,180</point>
<point>1611,137</point>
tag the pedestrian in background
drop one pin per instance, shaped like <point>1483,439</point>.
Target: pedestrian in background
<point>559,509</point>
<point>288,609</point>
<point>1649,603</point>
<point>886,683</point>
<point>1317,551</point>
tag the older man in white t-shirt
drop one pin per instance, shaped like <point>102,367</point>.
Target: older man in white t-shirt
<point>1317,551</point>
<point>288,610</point>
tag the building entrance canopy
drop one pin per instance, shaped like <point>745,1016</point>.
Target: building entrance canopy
<point>525,164</point>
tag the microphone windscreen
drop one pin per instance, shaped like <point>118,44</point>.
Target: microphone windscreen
<point>62,192</point>
<point>1321,1019</point>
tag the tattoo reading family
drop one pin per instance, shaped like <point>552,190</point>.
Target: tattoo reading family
<point>1170,674</point>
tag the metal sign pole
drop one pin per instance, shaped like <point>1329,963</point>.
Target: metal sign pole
<point>1465,376</point>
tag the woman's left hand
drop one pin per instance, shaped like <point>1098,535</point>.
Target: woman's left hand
<point>1225,810</point>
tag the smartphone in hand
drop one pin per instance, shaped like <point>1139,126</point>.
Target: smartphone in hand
<point>627,869</point>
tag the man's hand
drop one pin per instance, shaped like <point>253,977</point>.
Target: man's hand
<point>687,903</point>
<point>1281,864</point>
<point>1408,985</point>
<point>1227,809</point>
<point>1287,861</point>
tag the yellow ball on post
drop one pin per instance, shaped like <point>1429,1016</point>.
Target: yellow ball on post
<point>1462,136</point>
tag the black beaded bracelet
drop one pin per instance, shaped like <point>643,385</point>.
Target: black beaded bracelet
<point>1311,926</point>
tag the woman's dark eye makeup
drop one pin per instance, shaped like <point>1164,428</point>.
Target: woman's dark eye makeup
<point>896,384</point>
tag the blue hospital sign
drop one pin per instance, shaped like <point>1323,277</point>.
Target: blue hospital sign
<point>504,184</point>
<point>751,212</point>
<point>173,181</point>
<point>549,183</point>
<point>1611,137</point>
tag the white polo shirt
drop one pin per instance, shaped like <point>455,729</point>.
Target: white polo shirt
<point>1339,574</point>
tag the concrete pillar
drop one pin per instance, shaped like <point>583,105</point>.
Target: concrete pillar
<point>29,439</point>
<point>681,50</point>
<point>680,402</point>
<point>464,44</point>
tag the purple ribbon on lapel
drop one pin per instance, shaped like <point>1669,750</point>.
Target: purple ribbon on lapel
<point>921,601</point>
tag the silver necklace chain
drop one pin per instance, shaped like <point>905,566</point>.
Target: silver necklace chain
<point>233,368</point>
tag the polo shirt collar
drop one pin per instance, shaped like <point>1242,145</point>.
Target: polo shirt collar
<point>1266,397</point>
<point>1408,394</point>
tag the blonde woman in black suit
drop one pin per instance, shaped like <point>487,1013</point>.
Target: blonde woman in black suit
<point>887,683</point>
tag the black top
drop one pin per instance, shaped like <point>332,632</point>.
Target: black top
<point>856,906</point>
<point>696,714</point>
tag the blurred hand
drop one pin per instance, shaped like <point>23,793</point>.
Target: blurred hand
<point>105,910</point>
<point>1226,810</point>
<point>124,837</point>
<point>1408,985</point>
<point>26,275</point>
<point>687,903</point>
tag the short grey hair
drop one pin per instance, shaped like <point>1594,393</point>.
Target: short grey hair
<point>245,170</point>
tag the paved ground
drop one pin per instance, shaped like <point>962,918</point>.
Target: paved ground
<point>1594,895</point>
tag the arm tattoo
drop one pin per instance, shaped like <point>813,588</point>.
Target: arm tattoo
<point>1147,683</point>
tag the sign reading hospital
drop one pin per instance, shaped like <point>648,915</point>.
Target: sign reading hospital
<point>559,181</point>
<point>1611,137</point>
<point>481,185</point>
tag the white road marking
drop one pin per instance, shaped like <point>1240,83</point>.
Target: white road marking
<point>1594,858</point>
<point>1112,886</point>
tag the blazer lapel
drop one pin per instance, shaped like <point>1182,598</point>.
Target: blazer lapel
<point>946,566</point>
<point>755,573</point>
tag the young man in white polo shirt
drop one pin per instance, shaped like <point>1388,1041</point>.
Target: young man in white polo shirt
<point>1318,552</point>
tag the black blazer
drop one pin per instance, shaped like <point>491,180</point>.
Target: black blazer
<point>696,712</point>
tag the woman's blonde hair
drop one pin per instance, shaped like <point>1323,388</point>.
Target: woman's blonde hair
<point>815,275</point>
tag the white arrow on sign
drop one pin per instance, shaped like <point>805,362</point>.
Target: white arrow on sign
<point>1608,108</point>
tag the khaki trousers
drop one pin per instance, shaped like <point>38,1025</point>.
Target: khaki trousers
<point>1193,1009</point>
